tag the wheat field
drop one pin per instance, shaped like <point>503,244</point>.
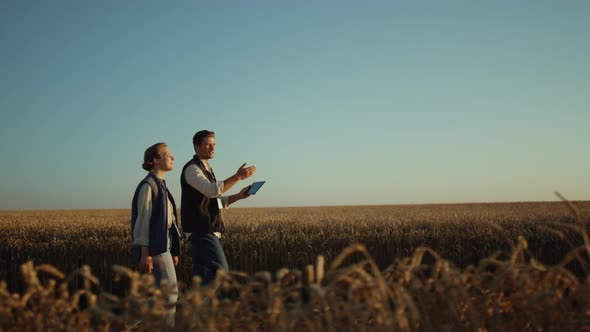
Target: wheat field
<point>486,267</point>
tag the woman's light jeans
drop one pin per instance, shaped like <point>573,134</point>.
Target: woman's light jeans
<point>164,270</point>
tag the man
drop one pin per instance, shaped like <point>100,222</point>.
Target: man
<point>201,206</point>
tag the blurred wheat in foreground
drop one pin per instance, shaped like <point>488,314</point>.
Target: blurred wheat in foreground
<point>422,292</point>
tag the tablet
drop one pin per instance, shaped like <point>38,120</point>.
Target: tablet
<point>254,187</point>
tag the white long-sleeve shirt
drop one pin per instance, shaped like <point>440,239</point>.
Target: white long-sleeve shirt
<point>197,179</point>
<point>141,231</point>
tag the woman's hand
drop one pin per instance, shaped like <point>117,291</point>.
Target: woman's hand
<point>145,264</point>
<point>175,260</point>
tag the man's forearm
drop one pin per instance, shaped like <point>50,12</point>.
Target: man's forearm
<point>230,182</point>
<point>233,198</point>
<point>242,173</point>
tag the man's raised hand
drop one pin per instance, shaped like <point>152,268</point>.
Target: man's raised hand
<point>245,172</point>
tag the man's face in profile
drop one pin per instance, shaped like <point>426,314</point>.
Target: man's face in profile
<point>206,150</point>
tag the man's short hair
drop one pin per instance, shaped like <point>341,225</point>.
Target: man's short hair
<point>200,135</point>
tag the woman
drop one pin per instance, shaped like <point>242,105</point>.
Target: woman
<point>155,234</point>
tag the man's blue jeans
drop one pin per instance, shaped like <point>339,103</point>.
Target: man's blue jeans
<point>208,256</point>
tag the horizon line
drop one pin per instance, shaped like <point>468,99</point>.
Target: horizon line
<point>318,206</point>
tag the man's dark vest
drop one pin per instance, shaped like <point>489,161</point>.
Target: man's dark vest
<point>158,223</point>
<point>199,213</point>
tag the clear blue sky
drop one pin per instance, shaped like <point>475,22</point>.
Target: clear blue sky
<point>335,102</point>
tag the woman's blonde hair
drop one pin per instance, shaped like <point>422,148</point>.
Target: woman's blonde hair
<point>153,152</point>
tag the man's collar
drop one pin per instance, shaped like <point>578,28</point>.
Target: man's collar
<point>205,162</point>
